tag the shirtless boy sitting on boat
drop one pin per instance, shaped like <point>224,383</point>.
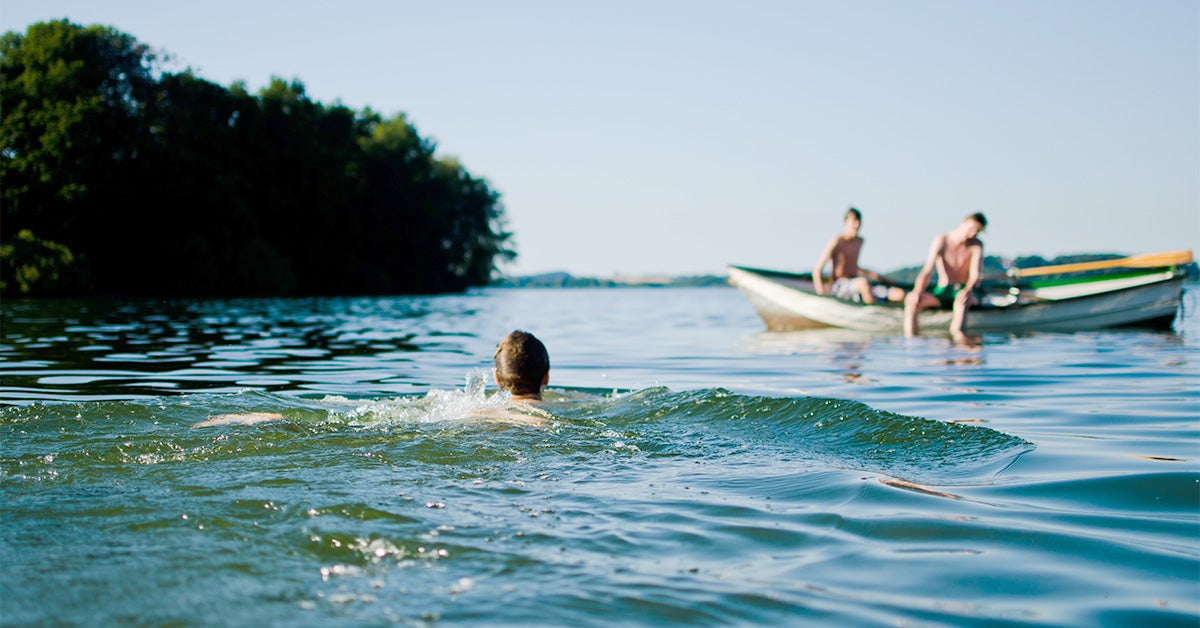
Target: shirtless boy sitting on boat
<point>522,369</point>
<point>958,258</point>
<point>849,281</point>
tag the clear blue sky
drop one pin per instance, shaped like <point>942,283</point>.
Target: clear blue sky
<point>650,136</point>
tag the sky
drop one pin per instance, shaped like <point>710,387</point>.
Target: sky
<point>676,137</point>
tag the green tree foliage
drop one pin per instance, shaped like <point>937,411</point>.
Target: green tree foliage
<point>28,264</point>
<point>118,177</point>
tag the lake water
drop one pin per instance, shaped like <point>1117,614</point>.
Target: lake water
<point>694,470</point>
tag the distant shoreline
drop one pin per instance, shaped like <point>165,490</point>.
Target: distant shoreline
<point>993,267</point>
<point>567,280</point>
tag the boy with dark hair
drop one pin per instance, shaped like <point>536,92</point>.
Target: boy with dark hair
<point>522,366</point>
<point>847,280</point>
<point>958,258</point>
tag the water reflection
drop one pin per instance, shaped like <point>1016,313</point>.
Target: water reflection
<point>605,339</point>
<point>123,348</point>
<point>847,349</point>
<point>804,341</point>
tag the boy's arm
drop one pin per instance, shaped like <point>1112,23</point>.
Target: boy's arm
<point>243,418</point>
<point>870,274</point>
<point>975,273</point>
<point>935,251</point>
<point>826,255</point>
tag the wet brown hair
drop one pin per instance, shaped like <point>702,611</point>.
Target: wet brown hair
<point>521,363</point>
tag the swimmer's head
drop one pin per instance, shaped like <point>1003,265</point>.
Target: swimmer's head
<point>522,365</point>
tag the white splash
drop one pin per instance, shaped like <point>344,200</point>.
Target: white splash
<point>436,406</point>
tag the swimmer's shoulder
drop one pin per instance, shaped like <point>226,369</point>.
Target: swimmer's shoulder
<point>515,414</point>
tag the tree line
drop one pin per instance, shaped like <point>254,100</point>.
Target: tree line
<point>118,177</point>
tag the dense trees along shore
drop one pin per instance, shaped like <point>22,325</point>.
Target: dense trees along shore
<point>118,177</point>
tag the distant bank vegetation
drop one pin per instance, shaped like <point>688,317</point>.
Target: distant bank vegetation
<point>119,177</point>
<point>995,268</point>
<point>567,280</point>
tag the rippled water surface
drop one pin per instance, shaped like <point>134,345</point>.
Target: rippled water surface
<point>688,468</point>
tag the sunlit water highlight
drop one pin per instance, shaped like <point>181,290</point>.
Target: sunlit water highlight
<point>691,469</point>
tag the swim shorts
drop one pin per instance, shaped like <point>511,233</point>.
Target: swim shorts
<point>945,294</point>
<point>845,289</point>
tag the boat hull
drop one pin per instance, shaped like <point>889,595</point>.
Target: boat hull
<point>788,302</point>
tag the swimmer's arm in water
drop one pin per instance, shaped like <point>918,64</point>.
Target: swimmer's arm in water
<point>498,415</point>
<point>242,418</point>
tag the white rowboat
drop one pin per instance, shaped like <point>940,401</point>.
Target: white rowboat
<point>1148,297</point>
